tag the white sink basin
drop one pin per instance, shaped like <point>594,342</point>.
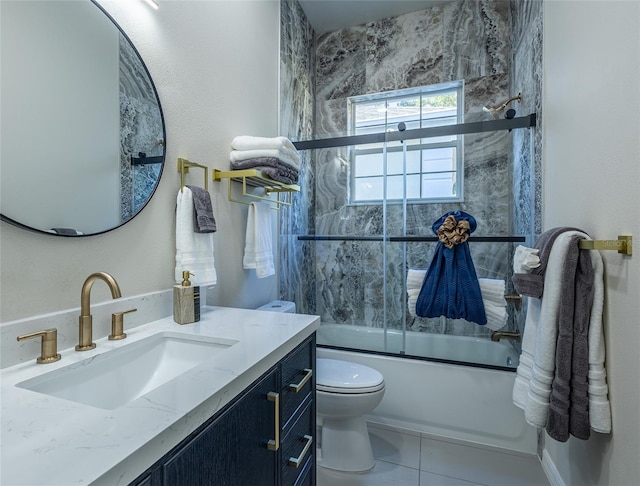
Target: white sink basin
<point>117,377</point>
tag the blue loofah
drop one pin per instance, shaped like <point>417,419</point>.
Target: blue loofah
<point>451,287</point>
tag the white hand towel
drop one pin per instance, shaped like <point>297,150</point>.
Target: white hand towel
<point>285,155</point>
<point>194,251</point>
<point>525,259</point>
<point>247,142</point>
<point>258,253</point>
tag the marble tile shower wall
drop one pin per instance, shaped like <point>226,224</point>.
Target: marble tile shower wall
<point>297,98</point>
<point>526,77</point>
<point>468,40</point>
<point>139,120</point>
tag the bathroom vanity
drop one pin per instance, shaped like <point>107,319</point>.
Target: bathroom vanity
<point>243,415</point>
<point>232,447</point>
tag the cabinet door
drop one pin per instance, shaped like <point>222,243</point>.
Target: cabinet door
<point>232,450</point>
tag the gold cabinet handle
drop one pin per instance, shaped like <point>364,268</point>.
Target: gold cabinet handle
<point>117,325</point>
<point>274,444</point>
<point>48,347</point>
<point>296,461</point>
<point>296,387</point>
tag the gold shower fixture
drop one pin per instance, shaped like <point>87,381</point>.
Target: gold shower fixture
<point>496,111</point>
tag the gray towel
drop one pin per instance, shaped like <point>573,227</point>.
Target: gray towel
<point>203,220</point>
<point>271,166</point>
<point>532,284</point>
<point>579,420</point>
<point>569,404</point>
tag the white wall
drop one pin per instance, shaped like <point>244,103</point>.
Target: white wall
<point>215,65</point>
<point>591,180</point>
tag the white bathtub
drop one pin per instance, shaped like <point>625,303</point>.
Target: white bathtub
<point>465,349</point>
<point>444,400</point>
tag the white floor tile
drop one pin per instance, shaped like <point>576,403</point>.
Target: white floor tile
<point>430,479</point>
<point>395,447</point>
<point>383,474</point>
<point>480,465</point>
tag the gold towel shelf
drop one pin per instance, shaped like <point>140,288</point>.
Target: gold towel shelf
<point>624,244</point>
<point>254,178</point>
<point>183,168</point>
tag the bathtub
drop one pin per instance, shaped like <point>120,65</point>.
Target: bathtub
<point>440,400</point>
<point>465,349</point>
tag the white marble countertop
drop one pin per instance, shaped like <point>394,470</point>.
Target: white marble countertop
<point>46,440</point>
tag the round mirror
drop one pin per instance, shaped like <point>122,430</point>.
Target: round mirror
<point>82,133</point>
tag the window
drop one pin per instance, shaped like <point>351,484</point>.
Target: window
<point>432,171</point>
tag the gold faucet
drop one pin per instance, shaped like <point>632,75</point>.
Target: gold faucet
<point>86,320</point>
<point>497,335</point>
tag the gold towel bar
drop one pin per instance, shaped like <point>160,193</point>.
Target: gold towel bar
<point>254,178</point>
<point>624,244</point>
<point>183,168</point>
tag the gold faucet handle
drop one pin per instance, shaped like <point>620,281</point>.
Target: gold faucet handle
<point>117,325</point>
<point>49,345</point>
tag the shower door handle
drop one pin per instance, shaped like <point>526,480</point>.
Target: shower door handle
<point>296,387</point>
<point>274,444</point>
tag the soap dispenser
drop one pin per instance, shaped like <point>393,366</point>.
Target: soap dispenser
<point>186,301</point>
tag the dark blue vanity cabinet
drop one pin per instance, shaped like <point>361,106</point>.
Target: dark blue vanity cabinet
<point>266,436</point>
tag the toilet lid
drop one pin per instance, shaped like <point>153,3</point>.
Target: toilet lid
<point>345,377</point>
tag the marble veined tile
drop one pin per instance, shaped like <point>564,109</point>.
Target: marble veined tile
<point>404,51</point>
<point>475,43</point>
<point>340,63</point>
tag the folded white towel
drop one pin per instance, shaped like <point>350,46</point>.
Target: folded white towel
<point>415,278</point>
<point>525,259</point>
<point>248,142</point>
<point>496,316</point>
<point>194,251</point>
<point>492,290</point>
<point>412,300</point>
<point>258,252</point>
<point>287,156</point>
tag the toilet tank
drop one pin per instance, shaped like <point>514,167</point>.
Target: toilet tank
<point>279,306</point>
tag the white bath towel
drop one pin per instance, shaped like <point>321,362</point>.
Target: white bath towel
<point>535,372</point>
<point>286,156</point>
<point>258,252</point>
<point>415,278</point>
<point>194,251</point>
<point>248,142</point>
<point>525,259</point>
<point>492,290</point>
<point>599,407</point>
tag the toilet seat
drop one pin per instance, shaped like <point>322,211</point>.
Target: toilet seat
<point>336,376</point>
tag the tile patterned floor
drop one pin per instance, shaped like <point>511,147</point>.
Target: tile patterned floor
<point>405,458</point>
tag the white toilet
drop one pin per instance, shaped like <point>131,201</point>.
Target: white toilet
<point>345,392</point>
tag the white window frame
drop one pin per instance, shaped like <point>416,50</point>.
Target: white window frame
<point>416,145</point>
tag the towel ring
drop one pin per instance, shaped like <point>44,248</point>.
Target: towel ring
<point>183,168</point>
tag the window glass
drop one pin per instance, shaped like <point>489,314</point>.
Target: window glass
<point>432,165</point>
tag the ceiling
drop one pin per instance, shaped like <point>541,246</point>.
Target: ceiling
<point>329,15</point>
